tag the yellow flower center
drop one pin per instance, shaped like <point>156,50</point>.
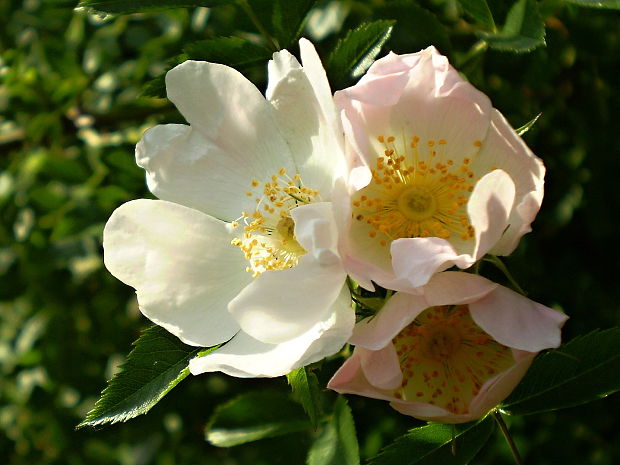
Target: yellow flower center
<point>268,240</point>
<point>416,191</point>
<point>446,358</point>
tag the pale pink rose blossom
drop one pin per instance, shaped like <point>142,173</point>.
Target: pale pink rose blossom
<point>437,176</point>
<point>450,353</point>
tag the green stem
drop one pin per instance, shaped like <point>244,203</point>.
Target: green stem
<point>273,43</point>
<point>508,437</point>
<point>476,49</point>
<point>453,444</point>
<point>500,266</point>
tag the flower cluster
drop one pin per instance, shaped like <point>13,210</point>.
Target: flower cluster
<point>273,210</point>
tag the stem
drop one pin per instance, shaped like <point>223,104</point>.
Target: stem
<point>453,445</point>
<point>508,437</point>
<point>500,266</point>
<point>478,48</point>
<point>273,44</point>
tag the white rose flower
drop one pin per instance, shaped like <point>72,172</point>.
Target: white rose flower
<point>241,248</point>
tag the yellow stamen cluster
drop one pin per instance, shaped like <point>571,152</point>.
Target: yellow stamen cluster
<point>416,191</point>
<point>268,241</point>
<point>446,358</point>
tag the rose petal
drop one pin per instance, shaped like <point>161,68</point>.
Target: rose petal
<point>504,149</point>
<point>382,367</point>
<point>350,379</point>
<point>244,356</point>
<point>516,321</point>
<point>283,304</point>
<point>498,388</point>
<point>377,332</point>
<point>184,167</point>
<point>182,265</point>
<point>309,132</point>
<point>489,209</point>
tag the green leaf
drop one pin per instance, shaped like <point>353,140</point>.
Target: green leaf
<point>583,370</point>
<point>527,126</point>
<point>307,392</point>
<point>432,444</point>
<point>156,364</point>
<point>480,11</point>
<point>417,27</point>
<point>283,20</point>
<point>355,53</point>
<point>132,6</point>
<point>524,29</point>
<point>337,442</point>
<point>254,416</point>
<point>231,51</point>
<point>606,4</point>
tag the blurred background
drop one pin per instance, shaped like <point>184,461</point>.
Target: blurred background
<point>71,111</point>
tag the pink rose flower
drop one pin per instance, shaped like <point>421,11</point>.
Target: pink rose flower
<point>452,352</point>
<point>437,176</point>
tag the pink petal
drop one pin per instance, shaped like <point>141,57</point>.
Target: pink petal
<point>382,367</point>
<point>489,208</point>
<point>350,379</point>
<point>377,332</point>
<point>456,288</point>
<point>518,322</point>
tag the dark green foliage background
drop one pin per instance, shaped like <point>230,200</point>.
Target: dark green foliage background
<point>71,112</point>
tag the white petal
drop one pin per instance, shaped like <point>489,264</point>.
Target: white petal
<point>185,167</point>
<point>231,113</point>
<point>285,304</point>
<point>246,357</point>
<point>307,120</point>
<point>281,305</point>
<point>182,265</point>
<point>316,231</point>
<point>518,322</point>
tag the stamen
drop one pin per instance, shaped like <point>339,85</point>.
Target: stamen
<point>445,358</point>
<point>268,241</point>
<point>410,196</point>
